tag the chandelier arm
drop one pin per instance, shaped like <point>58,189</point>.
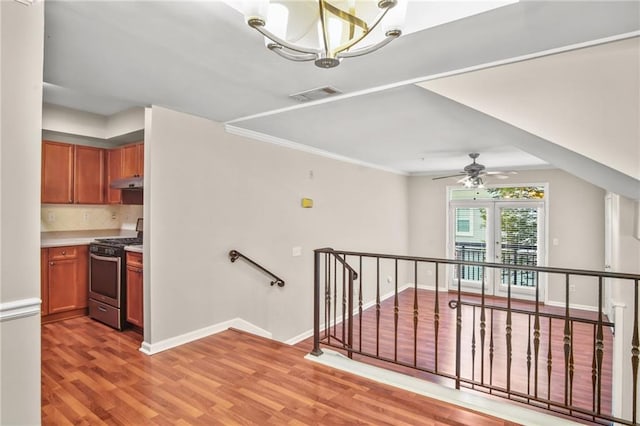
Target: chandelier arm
<point>276,48</point>
<point>323,25</point>
<point>277,40</point>
<point>359,52</point>
<point>338,50</point>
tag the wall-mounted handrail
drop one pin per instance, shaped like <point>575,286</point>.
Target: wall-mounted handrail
<point>235,254</point>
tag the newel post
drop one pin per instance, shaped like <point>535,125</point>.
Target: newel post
<point>316,304</point>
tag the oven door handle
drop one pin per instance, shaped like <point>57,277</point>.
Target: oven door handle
<point>106,259</point>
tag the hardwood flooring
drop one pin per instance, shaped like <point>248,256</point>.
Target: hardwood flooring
<point>476,363</point>
<point>94,375</point>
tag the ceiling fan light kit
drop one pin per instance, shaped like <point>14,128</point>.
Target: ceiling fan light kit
<point>337,27</point>
<point>472,173</point>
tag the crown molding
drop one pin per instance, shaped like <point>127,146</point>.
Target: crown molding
<point>285,143</point>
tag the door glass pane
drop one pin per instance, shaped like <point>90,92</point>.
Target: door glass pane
<point>470,229</point>
<point>519,244</point>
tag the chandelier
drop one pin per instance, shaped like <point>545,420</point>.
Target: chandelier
<point>325,31</point>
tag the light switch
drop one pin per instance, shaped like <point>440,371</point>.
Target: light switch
<point>556,242</point>
<point>296,251</point>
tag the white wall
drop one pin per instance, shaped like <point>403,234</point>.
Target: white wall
<point>21,56</point>
<point>207,192</point>
<point>59,119</point>
<point>576,218</point>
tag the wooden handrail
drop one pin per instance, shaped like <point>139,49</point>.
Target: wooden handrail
<point>235,254</point>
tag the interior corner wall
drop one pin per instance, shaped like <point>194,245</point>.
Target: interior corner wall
<point>208,192</point>
<point>575,220</point>
<point>21,58</point>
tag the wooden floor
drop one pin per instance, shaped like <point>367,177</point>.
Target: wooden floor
<point>92,375</point>
<point>522,379</point>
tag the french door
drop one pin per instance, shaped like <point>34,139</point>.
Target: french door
<point>503,232</point>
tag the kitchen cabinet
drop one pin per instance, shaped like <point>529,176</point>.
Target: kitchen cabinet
<point>89,182</point>
<point>134,289</point>
<point>72,174</point>
<point>133,160</point>
<point>57,173</point>
<point>65,282</point>
<point>114,171</point>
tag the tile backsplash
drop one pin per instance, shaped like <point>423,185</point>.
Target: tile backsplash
<point>63,217</point>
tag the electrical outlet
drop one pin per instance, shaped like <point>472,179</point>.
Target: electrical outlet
<point>85,216</point>
<point>114,216</point>
<point>51,217</point>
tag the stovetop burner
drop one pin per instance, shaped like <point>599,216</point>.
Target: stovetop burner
<point>121,242</point>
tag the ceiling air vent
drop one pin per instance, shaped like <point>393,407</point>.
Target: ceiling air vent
<point>315,94</point>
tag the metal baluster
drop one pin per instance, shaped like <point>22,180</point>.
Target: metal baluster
<point>491,349</point>
<point>344,304</point>
<point>529,357</point>
<point>635,343</point>
<point>473,347</point>
<point>483,326</point>
<point>377,306</point>
<point>594,369</point>
<point>335,294</point>
<point>415,313</point>
<point>458,331</point>
<point>549,365</point>
<point>508,330</point>
<point>536,337</point>
<point>599,347</point>
<point>396,310</point>
<point>436,318</point>
<point>360,305</point>
<point>350,312</point>
<point>567,341</point>
<point>571,370</point>
<point>327,297</point>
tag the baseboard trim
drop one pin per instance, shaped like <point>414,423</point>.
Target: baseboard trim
<point>172,342</point>
<point>19,309</point>
<point>572,306</point>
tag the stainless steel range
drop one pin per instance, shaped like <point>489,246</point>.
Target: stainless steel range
<point>107,279</point>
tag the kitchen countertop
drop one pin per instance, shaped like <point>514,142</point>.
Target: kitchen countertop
<point>135,249</point>
<point>71,238</point>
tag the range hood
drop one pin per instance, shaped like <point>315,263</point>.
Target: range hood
<point>128,183</point>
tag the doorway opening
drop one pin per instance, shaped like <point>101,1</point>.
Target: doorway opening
<point>502,224</point>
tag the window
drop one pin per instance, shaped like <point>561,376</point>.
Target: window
<point>464,222</point>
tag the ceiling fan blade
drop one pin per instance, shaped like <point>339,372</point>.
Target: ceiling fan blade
<point>449,176</point>
<point>502,172</point>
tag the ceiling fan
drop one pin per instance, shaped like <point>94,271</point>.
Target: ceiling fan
<point>472,173</point>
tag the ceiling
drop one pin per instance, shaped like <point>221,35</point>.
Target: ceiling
<point>408,108</point>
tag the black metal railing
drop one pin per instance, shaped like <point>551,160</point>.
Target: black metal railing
<point>559,359</point>
<point>510,254</point>
<point>235,255</point>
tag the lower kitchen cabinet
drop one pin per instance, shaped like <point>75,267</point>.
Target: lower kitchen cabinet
<point>65,282</point>
<point>134,289</point>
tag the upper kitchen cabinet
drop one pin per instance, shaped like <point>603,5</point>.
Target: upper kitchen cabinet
<point>57,172</point>
<point>72,174</point>
<point>133,160</point>
<point>89,175</point>
<point>114,171</point>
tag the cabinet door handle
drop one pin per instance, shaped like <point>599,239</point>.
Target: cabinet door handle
<point>64,252</point>
<point>51,263</point>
